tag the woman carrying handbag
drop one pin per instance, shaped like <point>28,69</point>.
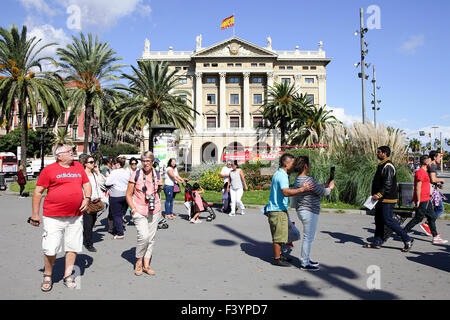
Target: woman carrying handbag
<point>96,205</point>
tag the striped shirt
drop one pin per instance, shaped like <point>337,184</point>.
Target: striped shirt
<point>309,200</point>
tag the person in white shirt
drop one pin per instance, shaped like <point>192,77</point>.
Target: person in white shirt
<point>171,178</point>
<point>117,181</point>
<point>225,175</point>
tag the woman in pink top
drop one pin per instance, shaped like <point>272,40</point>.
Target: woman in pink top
<point>143,199</point>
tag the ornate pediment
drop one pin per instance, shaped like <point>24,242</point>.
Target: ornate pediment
<point>234,47</point>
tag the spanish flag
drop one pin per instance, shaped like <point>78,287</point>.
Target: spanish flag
<point>227,23</point>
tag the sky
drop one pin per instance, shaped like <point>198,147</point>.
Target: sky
<point>407,43</point>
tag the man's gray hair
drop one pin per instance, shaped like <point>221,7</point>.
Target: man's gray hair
<point>59,147</point>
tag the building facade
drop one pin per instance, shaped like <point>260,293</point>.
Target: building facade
<point>228,82</point>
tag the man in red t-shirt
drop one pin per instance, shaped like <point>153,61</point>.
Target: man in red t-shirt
<point>68,195</point>
<point>421,198</point>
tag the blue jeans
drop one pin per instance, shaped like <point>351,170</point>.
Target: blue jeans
<point>439,209</point>
<point>383,216</point>
<point>309,221</point>
<point>168,205</point>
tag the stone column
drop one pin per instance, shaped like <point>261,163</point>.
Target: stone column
<point>269,79</point>
<point>298,79</point>
<point>322,88</point>
<point>246,100</point>
<point>198,101</point>
<point>222,100</point>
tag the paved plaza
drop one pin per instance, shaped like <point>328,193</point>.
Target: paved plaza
<point>227,259</point>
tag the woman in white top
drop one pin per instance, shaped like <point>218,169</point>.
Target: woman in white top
<point>117,181</point>
<point>97,180</point>
<point>236,188</point>
<point>172,176</point>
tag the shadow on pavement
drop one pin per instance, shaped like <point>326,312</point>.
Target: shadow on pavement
<point>82,261</point>
<point>263,251</point>
<point>439,260</point>
<point>343,238</point>
<point>130,255</point>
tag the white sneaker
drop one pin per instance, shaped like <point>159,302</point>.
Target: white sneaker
<point>192,220</point>
<point>197,221</point>
<point>231,214</point>
<point>243,212</point>
<point>438,239</point>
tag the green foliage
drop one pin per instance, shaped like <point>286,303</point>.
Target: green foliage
<point>198,171</point>
<point>115,150</point>
<point>210,180</point>
<point>12,140</point>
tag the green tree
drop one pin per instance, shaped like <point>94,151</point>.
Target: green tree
<point>10,142</point>
<point>310,130</point>
<point>152,96</point>
<point>282,104</point>
<point>22,80</point>
<point>415,145</point>
<point>89,65</point>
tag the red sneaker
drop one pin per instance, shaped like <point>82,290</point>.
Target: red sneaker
<point>426,228</point>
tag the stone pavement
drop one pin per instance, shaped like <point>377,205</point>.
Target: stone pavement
<point>226,259</point>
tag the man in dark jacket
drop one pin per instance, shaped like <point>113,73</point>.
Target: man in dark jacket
<point>384,189</point>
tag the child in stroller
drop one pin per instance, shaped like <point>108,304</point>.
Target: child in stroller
<point>195,204</point>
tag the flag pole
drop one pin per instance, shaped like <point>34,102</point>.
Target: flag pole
<point>234,34</point>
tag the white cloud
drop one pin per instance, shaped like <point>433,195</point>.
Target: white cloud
<point>396,122</point>
<point>414,42</point>
<point>105,13</point>
<point>414,133</point>
<point>347,119</point>
<point>38,5</point>
<point>445,117</point>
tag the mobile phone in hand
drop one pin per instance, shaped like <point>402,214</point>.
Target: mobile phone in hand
<point>331,174</point>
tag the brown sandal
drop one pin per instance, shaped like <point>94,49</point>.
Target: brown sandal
<point>50,282</point>
<point>149,271</point>
<point>372,246</point>
<point>138,270</point>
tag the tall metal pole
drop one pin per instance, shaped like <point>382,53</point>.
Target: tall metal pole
<point>374,81</point>
<point>442,158</point>
<point>363,77</point>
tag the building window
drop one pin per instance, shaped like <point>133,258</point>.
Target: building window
<point>230,64</point>
<point>310,98</point>
<point>234,122</point>
<point>210,79</point>
<point>254,64</point>
<point>39,120</point>
<point>74,132</point>
<point>182,80</point>
<point>262,64</point>
<point>290,67</point>
<point>206,64</point>
<point>233,80</point>
<point>312,68</point>
<point>281,67</point>
<point>238,64</point>
<point>257,98</point>
<point>305,68</point>
<point>177,68</point>
<point>214,65</point>
<point>211,98</point>
<point>183,97</point>
<point>234,98</point>
<point>257,79</point>
<point>286,80</point>
<point>211,122</point>
<point>257,122</point>
<point>186,68</point>
<point>309,80</point>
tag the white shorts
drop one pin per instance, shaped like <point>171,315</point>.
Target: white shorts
<point>55,228</point>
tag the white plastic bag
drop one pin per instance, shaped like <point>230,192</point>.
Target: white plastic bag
<point>293,232</point>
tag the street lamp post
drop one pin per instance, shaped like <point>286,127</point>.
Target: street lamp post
<point>362,74</point>
<point>375,101</point>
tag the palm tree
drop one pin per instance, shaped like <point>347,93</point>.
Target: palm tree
<point>282,104</point>
<point>415,145</point>
<point>152,96</point>
<point>22,80</point>
<point>311,130</point>
<point>62,136</point>
<point>88,65</point>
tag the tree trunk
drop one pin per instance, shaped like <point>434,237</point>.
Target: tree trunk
<point>150,140</point>
<point>23,138</point>
<point>283,135</point>
<point>87,122</point>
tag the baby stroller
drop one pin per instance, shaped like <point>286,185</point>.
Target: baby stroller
<point>189,204</point>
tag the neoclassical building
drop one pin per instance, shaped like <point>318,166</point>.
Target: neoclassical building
<point>228,82</point>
